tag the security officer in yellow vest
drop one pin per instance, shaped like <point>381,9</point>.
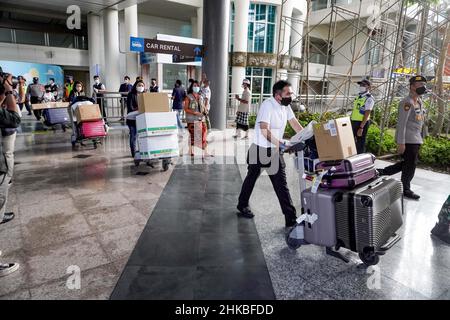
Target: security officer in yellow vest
<point>362,107</point>
<point>409,135</point>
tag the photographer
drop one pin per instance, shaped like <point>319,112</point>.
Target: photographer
<point>9,118</point>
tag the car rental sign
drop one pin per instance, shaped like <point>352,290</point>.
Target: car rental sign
<point>165,47</point>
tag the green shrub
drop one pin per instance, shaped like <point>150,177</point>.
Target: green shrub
<point>393,115</point>
<point>251,120</point>
<point>435,152</point>
<point>373,141</point>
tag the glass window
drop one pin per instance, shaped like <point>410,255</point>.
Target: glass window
<point>261,28</point>
<point>30,37</point>
<point>171,73</point>
<point>5,35</point>
<point>61,40</point>
<point>261,80</point>
<point>272,14</point>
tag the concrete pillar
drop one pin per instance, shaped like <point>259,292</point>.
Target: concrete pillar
<point>285,34</point>
<point>296,48</point>
<point>240,41</point>
<point>112,78</point>
<point>131,29</point>
<point>198,34</point>
<point>95,45</point>
<point>216,25</point>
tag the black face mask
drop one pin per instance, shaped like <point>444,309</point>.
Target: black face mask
<point>286,101</point>
<point>421,90</point>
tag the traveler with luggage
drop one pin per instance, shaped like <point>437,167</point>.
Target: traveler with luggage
<point>34,94</point>
<point>362,107</point>
<point>195,111</point>
<point>9,118</point>
<point>132,112</point>
<point>408,135</point>
<point>265,152</point>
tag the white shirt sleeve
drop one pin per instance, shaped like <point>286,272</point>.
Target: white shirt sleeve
<point>264,113</point>
<point>368,106</point>
<point>290,113</point>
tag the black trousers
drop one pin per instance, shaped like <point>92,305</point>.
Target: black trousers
<point>259,159</point>
<point>407,166</point>
<point>37,113</point>
<point>360,141</point>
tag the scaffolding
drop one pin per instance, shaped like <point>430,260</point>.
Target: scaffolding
<point>382,43</point>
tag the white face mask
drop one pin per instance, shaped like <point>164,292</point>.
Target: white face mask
<point>97,81</point>
<point>140,89</point>
<point>196,89</point>
<point>362,89</point>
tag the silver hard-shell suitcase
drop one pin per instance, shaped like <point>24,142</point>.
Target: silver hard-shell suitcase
<point>320,223</point>
<point>368,217</point>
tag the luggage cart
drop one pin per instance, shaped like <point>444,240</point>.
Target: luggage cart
<point>294,237</point>
<point>165,162</point>
<point>77,133</point>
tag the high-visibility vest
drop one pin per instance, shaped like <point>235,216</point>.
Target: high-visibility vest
<point>358,107</point>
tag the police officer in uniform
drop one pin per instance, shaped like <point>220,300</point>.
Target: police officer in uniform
<point>362,107</point>
<point>409,134</point>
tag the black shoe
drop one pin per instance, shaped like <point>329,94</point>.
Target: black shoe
<point>7,217</point>
<point>411,195</point>
<point>245,212</point>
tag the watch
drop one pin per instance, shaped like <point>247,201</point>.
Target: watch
<point>8,92</point>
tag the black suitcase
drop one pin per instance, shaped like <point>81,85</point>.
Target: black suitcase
<point>368,217</point>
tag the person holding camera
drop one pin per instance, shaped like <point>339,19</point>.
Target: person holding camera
<point>9,118</point>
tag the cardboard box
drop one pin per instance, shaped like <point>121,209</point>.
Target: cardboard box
<point>156,123</point>
<point>334,139</point>
<point>156,147</point>
<point>49,105</point>
<point>88,112</point>
<point>153,102</point>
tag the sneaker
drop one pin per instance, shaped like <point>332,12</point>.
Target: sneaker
<point>411,195</point>
<point>7,268</point>
<point>7,217</point>
<point>245,212</point>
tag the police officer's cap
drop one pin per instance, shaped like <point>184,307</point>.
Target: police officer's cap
<point>417,79</point>
<point>364,82</point>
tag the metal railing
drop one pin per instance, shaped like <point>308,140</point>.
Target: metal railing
<point>316,103</point>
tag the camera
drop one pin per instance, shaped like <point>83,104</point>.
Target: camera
<point>4,75</point>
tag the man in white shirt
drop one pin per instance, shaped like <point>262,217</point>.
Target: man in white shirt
<point>264,153</point>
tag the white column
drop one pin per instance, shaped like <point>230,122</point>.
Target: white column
<point>95,46</point>
<point>131,29</point>
<point>112,59</point>
<point>241,10</point>
<point>199,34</point>
<point>296,47</point>
<point>285,33</point>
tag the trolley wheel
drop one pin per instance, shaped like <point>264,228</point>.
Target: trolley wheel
<point>369,257</point>
<point>165,165</point>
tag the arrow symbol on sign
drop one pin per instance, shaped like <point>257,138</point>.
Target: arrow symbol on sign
<point>197,51</point>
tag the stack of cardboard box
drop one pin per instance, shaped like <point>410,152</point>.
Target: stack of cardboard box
<point>156,127</point>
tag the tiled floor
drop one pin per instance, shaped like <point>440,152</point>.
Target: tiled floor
<point>86,211</point>
<point>89,208</point>
<point>194,246</point>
